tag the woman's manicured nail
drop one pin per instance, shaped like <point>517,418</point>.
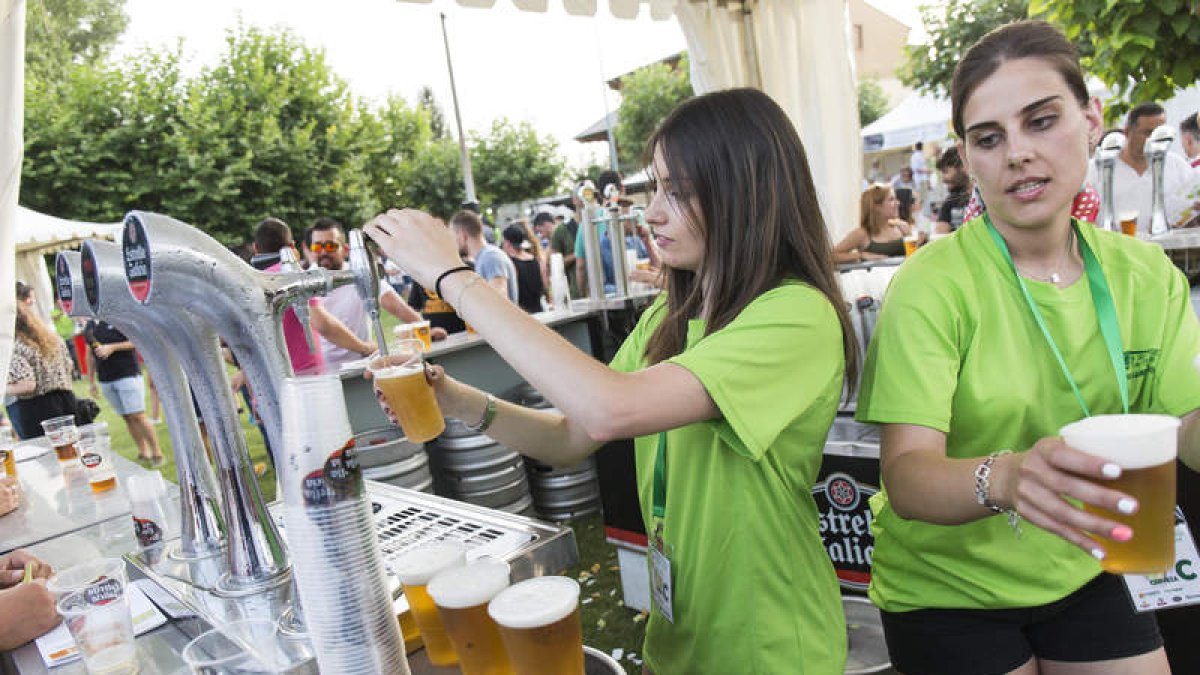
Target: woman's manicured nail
<point>1098,553</point>
<point>1122,533</point>
<point>1127,505</point>
<point>1111,471</point>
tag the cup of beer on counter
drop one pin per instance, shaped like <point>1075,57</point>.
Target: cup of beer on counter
<point>8,452</point>
<point>147,495</point>
<point>62,434</point>
<point>416,568</point>
<point>539,623</point>
<point>92,601</point>
<point>1128,220</point>
<point>1144,446</point>
<point>462,595</point>
<point>418,330</point>
<point>96,456</point>
<point>400,378</point>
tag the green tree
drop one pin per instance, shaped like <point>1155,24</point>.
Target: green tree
<point>872,101</point>
<point>512,163</point>
<point>434,179</point>
<point>62,33</point>
<point>647,95</point>
<point>1143,51</point>
<point>952,28</point>
<point>437,119</point>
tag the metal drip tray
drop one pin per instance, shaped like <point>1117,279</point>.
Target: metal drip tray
<point>407,519</point>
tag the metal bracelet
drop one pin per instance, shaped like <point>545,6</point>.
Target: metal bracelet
<point>983,485</point>
<point>489,416</point>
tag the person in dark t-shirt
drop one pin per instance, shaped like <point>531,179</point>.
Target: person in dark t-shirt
<point>950,213</point>
<point>116,366</point>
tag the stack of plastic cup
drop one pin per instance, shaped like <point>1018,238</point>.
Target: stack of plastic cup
<point>331,535</point>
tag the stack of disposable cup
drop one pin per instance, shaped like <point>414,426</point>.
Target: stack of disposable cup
<point>560,290</point>
<point>331,535</point>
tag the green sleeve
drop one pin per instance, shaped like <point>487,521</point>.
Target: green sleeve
<point>769,366</point>
<point>630,356</point>
<point>1177,387</point>
<point>912,364</point>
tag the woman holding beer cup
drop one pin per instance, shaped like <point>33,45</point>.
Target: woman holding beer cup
<point>729,383</point>
<point>1019,324</point>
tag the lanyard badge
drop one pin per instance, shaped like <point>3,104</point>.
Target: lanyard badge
<point>661,553</point>
<point>1106,315</point>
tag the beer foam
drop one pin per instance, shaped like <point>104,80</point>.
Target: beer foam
<point>397,371</point>
<point>418,566</point>
<point>469,585</point>
<point>1130,441</point>
<point>535,602</point>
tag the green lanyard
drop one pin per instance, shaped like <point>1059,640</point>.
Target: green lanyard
<point>1106,314</point>
<point>660,478</point>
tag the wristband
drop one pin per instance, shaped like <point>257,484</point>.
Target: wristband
<point>983,486</point>
<point>489,416</point>
<point>437,285</point>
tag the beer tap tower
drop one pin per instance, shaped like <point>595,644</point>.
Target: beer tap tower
<point>1156,149</point>
<point>88,294</point>
<point>1106,161</point>
<point>611,217</point>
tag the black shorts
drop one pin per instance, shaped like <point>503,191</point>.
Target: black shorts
<point>1095,623</point>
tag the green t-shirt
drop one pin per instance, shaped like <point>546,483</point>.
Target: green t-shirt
<point>956,349</point>
<point>754,590</point>
<point>562,241</point>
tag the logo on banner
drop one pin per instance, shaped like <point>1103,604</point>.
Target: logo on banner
<point>845,525</point>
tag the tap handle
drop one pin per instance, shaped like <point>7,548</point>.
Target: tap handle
<point>289,263</point>
<point>366,280</point>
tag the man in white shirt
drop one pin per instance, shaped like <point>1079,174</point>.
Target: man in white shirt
<point>916,162</point>
<point>1189,137</point>
<point>329,250</point>
<point>1133,182</point>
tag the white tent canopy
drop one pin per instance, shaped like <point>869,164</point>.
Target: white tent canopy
<point>919,117</point>
<point>37,235</point>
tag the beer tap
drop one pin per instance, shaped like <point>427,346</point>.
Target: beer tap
<point>1106,161</point>
<point>591,241</point>
<point>289,263</point>
<point>1156,149</point>
<point>101,294</point>
<point>616,240</point>
<point>366,280</point>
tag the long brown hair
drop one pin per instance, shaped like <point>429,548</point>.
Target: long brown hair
<point>749,193</point>
<point>1017,40</point>
<point>33,331</point>
<point>872,197</point>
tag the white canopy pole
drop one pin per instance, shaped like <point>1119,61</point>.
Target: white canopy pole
<point>12,101</point>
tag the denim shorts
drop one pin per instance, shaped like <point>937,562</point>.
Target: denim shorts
<point>126,395</point>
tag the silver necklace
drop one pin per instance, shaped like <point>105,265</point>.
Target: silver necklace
<point>1054,276</point>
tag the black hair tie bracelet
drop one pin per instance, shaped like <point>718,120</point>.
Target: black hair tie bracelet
<point>437,285</point>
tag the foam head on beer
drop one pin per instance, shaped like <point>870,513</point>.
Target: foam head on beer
<point>469,585</point>
<point>1129,441</point>
<point>535,602</point>
<point>418,566</point>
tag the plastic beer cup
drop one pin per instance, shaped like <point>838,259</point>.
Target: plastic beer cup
<point>415,570</point>
<point>8,452</point>
<point>1144,446</point>
<point>462,595</point>
<point>401,379</point>
<point>539,622</point>
<point>910,245</point>
<point>92,601</point>
<point>1129,224</point>
<point>97,460</point>
<point>418,330</point>
<point>63,434</point>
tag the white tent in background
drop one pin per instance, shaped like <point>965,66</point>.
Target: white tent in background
<point>37,235</point>
<point>919,117</point>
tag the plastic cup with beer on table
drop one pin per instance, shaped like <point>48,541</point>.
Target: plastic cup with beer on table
<point>92,600</point>
<point>416,568</point>
<point>462,595</point>
<point>1129,225</point>
<point>8,453</point>
<point>417,330</point>
<point>400,378</point>
<point>1144,447</point>
<point>540,625</point>
<point>62,434</point>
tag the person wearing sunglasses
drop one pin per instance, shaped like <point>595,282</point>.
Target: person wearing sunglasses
<point>327,248</point>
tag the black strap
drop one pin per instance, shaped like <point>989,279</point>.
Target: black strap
<point>437,285</point>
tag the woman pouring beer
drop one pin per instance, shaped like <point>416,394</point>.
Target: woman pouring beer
<point>990,341</point>
<point>729,383</point>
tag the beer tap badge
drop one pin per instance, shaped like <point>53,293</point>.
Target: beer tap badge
<point>91,277</point>
<point>135,253</point>
<point>338,480</point>
<point>147,531</point>
<point>62,280</point>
